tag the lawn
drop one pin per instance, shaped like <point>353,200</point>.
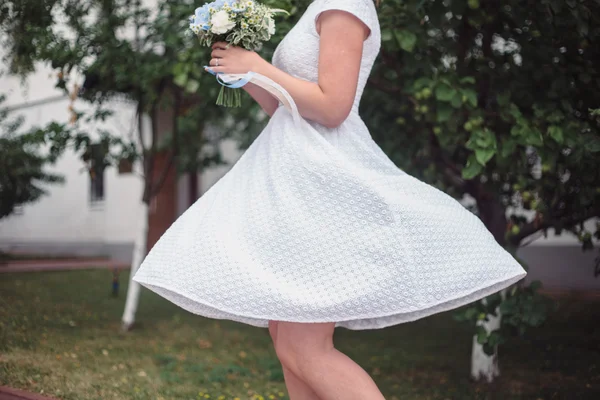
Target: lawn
<point>59,334</point>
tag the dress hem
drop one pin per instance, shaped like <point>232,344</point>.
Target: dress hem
<point>354,323</point>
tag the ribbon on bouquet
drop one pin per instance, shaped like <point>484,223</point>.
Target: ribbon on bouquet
<point>232,81</point>
<point>235,81</point>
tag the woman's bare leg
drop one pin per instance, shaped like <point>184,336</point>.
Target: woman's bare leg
<point>307,351</point>
<point>297,389</point>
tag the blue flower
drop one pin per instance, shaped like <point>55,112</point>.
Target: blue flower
<point>218,4</point>
<point>202,15</point>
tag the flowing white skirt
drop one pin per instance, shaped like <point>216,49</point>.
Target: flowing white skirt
<point>313,228</point>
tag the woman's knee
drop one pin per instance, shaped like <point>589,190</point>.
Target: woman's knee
<point>299,346</point>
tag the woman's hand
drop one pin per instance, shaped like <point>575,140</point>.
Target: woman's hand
<point>230,59</point>
<point>328,101</point>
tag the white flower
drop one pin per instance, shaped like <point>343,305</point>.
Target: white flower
<point>271,26</point>
<point>220,22</point>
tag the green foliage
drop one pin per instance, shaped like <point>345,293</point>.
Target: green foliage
<point>406,39</point>
<point>23,160</point>
<point>139,52</point>
<point>498,102</point>
<point>495,101</point>
<point>521,308</point>
<point>28,26</point>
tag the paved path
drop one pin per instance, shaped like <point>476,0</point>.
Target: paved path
<point>579,294</point>
<point>7,393</point>
<point>60,265</point>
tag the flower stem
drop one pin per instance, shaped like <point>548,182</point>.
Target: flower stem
<point>229,97</point>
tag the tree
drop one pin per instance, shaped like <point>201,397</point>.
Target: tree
<point>23,161</point>
<point>493,100</point>
<point>138,51</point>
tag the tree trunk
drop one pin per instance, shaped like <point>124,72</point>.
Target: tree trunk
<point>139,252</point>
<point>484,366</point>
<point>493,215</point>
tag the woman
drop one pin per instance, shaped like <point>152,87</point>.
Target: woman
<point>314,227</point>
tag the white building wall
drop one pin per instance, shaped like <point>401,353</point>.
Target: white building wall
<point>66,214</point>
<point>230,153</point>
<point>65,220</point>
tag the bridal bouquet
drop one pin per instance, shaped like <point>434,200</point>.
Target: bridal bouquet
<point>240,23</point>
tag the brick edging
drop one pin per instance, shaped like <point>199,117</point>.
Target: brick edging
<point>61,266</point>
<point>7,393</point>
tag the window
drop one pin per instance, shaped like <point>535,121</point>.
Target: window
<point>97,186</point>
<point>97,165</point>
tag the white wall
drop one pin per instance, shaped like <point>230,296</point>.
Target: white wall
<point>230,154</point>
<point>37,87</point>
<point>66,213</point>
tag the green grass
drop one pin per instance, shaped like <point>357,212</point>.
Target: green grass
<point>60,334</point>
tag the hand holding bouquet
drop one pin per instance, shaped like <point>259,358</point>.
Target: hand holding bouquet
<point>246,24</point>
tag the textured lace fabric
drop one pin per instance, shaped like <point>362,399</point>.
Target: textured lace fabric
<point>298,52</point>
<point>318,225</point>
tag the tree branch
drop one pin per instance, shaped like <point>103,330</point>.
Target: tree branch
<point>175,148</point>
<point>163,176</point>
<point>140,114</point>
<point>536,226</point>
<point>383,86</point>
<point>151,154</point>
<point>389,60</point>
<point>146,156</point>
<point>449,169</point>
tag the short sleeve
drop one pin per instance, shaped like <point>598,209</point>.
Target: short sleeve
<point>361,9</point>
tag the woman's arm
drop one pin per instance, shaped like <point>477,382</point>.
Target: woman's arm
<point>329,101</point>
<point>265,99</point>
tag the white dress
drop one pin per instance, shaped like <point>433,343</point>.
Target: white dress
<point>314,224</point>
